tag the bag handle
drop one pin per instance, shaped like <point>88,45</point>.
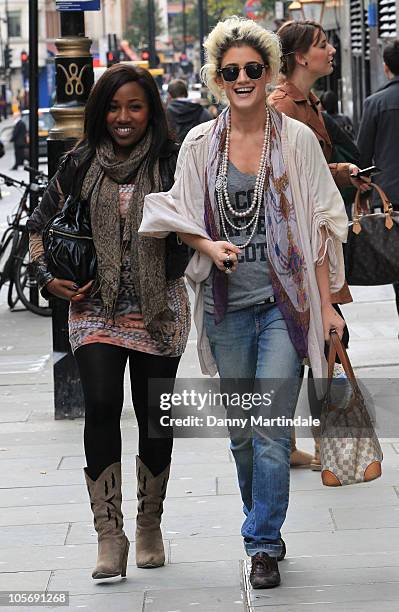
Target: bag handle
<point>336,347</point>
<point>357,211</point>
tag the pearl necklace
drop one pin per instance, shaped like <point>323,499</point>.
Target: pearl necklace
<point>222,194</point>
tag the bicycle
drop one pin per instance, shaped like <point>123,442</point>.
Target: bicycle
<point>15,267</point>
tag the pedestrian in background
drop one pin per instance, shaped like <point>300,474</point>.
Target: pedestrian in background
<point>182,113</point>
<point>139,312</point>
<point>307,56</point>
<point>379,130</point>
<point>255,198</point>
<point>344,147</point>
<point>18,138</point>
<point>329,101</point>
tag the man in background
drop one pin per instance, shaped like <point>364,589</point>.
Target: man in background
<point>182,113</point>
<point>18,138</point>
<point>379,129</point>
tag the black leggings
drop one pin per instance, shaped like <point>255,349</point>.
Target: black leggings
<point>102,367</point>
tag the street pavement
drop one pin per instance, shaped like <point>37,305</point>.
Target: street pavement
<point>342,544</point>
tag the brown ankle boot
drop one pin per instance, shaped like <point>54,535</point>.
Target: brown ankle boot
<point>298,458</point>
<point>151,493</point>
<point>106,499</point>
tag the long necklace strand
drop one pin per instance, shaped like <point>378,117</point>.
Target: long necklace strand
<point>222,194</point>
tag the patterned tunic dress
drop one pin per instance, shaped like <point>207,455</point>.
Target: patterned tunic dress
<point>87,324</point>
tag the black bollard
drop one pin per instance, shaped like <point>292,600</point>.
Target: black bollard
<point>74,80</point>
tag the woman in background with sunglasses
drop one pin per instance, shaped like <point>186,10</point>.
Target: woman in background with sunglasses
<point>255,198</point>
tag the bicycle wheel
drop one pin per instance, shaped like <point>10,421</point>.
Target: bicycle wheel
<point>12,297</point>
<point>7,248</point>
<point>26,285</point>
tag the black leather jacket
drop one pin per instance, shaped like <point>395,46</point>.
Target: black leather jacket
<point>70,176</point>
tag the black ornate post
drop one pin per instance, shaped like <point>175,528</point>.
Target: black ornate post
<point>74,80</point>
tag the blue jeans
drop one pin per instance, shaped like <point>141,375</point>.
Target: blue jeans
<point>253,344</point>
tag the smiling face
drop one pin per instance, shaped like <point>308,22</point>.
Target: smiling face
<point>127,118</point>
<point>320,56</point>
<point>244,93</point>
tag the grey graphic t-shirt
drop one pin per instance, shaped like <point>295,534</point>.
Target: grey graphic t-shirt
<point>250,284</point>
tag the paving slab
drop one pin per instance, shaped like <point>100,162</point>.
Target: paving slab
<point>203,600</point>
<point>33,558</point>
<point>317,597</point>
<point>21,464</point>
<point>218,548</point>
<point>24,581</point>
<point>34,535</point>
<point>169,577</point>
<point>364,516</point>
<point>105,602</point>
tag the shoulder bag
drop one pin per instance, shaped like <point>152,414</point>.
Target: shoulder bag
<point>68,242</point>
<point>349,448</point>
<point>371,252</point>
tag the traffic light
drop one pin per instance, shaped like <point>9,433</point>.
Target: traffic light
<point>113,57</point>
<point>25,65</point>
<point>145,55</point>
<point>7,56</point>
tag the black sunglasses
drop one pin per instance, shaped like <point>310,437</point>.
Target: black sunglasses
<point>253,71</point>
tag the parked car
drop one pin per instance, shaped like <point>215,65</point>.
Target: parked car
<point>46,122</point>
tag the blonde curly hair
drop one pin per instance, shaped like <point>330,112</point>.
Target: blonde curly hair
<point>238,32</point>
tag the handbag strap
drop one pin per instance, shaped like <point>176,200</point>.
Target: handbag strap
<point>357,211</point>
<point>336,347</point>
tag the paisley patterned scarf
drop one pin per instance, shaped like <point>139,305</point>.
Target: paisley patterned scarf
<point>288,269</point>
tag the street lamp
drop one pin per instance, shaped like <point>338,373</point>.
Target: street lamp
<point>313,9</point>
<point>295,11</point>
<point>307,9</point>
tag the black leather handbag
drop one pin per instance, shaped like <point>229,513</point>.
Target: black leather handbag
<point>68,243</point>
<point>177,257</point>
<point>371,253</point>
<point>177,253</point>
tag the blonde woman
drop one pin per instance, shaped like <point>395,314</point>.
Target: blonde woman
<point>255,198</point>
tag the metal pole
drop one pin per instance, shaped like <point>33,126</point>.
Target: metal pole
<point>33,95</point>
<point>151,34</point>
<point>184,19</point>
<point>8,76</point>
<point>201,30</point>
<point>206,21</point>
<point>73,58</point>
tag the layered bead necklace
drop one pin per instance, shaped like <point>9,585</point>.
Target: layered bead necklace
<point>222,194</point>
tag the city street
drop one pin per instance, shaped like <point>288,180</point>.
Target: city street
<point>342,544</point>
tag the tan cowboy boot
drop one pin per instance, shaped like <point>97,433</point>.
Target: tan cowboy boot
<point>106,499</point>
<point>151,493</point>
<point>315,464</point>
<point>298,458</point>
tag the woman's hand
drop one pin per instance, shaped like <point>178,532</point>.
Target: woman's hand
<point>68,290</point>
<point>362,182</point>
<point>221,250</point>
<point>331,320</point>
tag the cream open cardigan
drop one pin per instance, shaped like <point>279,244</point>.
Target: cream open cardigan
<point>317,203</point>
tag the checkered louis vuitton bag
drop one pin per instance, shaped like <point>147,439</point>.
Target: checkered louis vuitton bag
<point>349,448</point>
